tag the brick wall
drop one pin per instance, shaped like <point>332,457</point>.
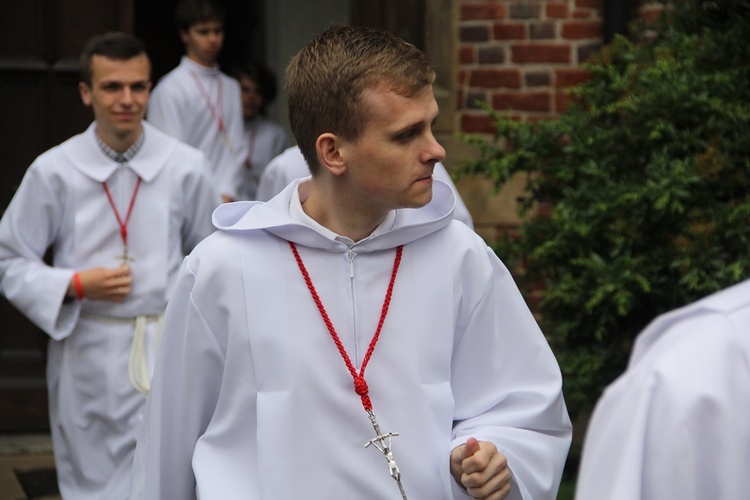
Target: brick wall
<point>520,55</point>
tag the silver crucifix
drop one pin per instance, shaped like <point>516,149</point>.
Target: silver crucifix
<point>379,442</point>
<point>125,257</point>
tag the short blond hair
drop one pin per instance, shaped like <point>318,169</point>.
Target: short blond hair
<point>326,79</point>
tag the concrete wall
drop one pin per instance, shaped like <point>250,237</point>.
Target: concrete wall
<point>289,25</point>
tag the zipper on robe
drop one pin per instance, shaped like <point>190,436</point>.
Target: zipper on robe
<point>350,254</point>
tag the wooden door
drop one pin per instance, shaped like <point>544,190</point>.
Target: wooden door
<point>40,41</point>
<point>403,18</point>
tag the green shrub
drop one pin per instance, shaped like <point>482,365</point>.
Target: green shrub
<point>645,182</point>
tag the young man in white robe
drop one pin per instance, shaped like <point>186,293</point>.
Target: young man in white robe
<point>291,165</point>
<point>264,138</point>
<point>197,103</point>
<point>676,424</point>
<point>348,338</point>
<point>119,205</point>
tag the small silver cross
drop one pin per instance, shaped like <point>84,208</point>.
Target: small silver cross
<point>379,442</point>
<point>125,257</point>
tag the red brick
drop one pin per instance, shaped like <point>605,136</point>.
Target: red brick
<point>472,12</point>
<point>509,31</point>
<point>580,30</point>
<point>540,53</point>
<point>493,54</point>
<point>557,10</point>
<point>524,11</point>
<point>568,77</point>
<point>592,4</point>
<point>537,78</point>
<point>473,34</point>
<point>477,124</point>
<point>466,54</point>
<point>542,31</point>
<point>522,101</point>
<point>495,78</point>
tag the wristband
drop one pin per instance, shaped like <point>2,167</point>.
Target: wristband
<point>78,285</point>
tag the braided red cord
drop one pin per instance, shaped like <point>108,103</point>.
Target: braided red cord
<point>123,223</point>
<point>360,385</point>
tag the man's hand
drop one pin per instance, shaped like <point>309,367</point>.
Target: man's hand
<point>101,283</point>
<point>481,469</point>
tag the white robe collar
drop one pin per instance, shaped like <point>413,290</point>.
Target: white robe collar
<point>199,69</point>
<point>86,155</point>
<point>401,227</point>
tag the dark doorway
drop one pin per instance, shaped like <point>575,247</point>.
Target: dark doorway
<point>404,18</point>
<point>39,46</point>
<point>154,24</point>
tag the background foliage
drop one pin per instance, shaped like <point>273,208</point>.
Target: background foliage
<point>644,184</point>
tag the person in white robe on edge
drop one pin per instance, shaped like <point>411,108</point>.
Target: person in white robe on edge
<point>291,165</point>
<point>197,103</point>
<point>348,338</point>
<point>264,138</point>
<point>676,424</point>
<point>120,205</point>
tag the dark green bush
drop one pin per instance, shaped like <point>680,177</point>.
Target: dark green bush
<point>645,182</point>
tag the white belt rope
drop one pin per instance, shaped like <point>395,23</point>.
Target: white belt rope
<point>138,362</point>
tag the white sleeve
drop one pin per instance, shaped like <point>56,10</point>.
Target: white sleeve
<point>27,229</point>
<point>513,398</point>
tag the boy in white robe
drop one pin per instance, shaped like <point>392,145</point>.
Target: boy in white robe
<point>197,103</point>
<point>119,205</point>
<point>290,165</point>
<point>676,424</point>
<point>348,338</point>
<point>264,138</point>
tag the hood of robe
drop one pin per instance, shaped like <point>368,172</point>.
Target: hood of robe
<point>274,216</point>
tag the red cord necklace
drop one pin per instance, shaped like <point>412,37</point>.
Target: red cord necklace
<point>123,224</point>
<point>216,110</point>
<point>381,441</point>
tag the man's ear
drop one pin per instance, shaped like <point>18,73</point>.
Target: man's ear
<point>328,146</point>
<point>184,36</point>
<point>85,92</point>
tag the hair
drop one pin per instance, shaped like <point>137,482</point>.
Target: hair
<point>191,12</point>
<point>261,75</point>
<point>113,45</point>
<point>326,79</point>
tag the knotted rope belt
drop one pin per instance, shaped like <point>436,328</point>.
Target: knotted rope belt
<point>138,362</point>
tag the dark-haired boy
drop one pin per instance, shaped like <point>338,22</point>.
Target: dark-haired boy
<point>119,205</point>
<point>197,103</point>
